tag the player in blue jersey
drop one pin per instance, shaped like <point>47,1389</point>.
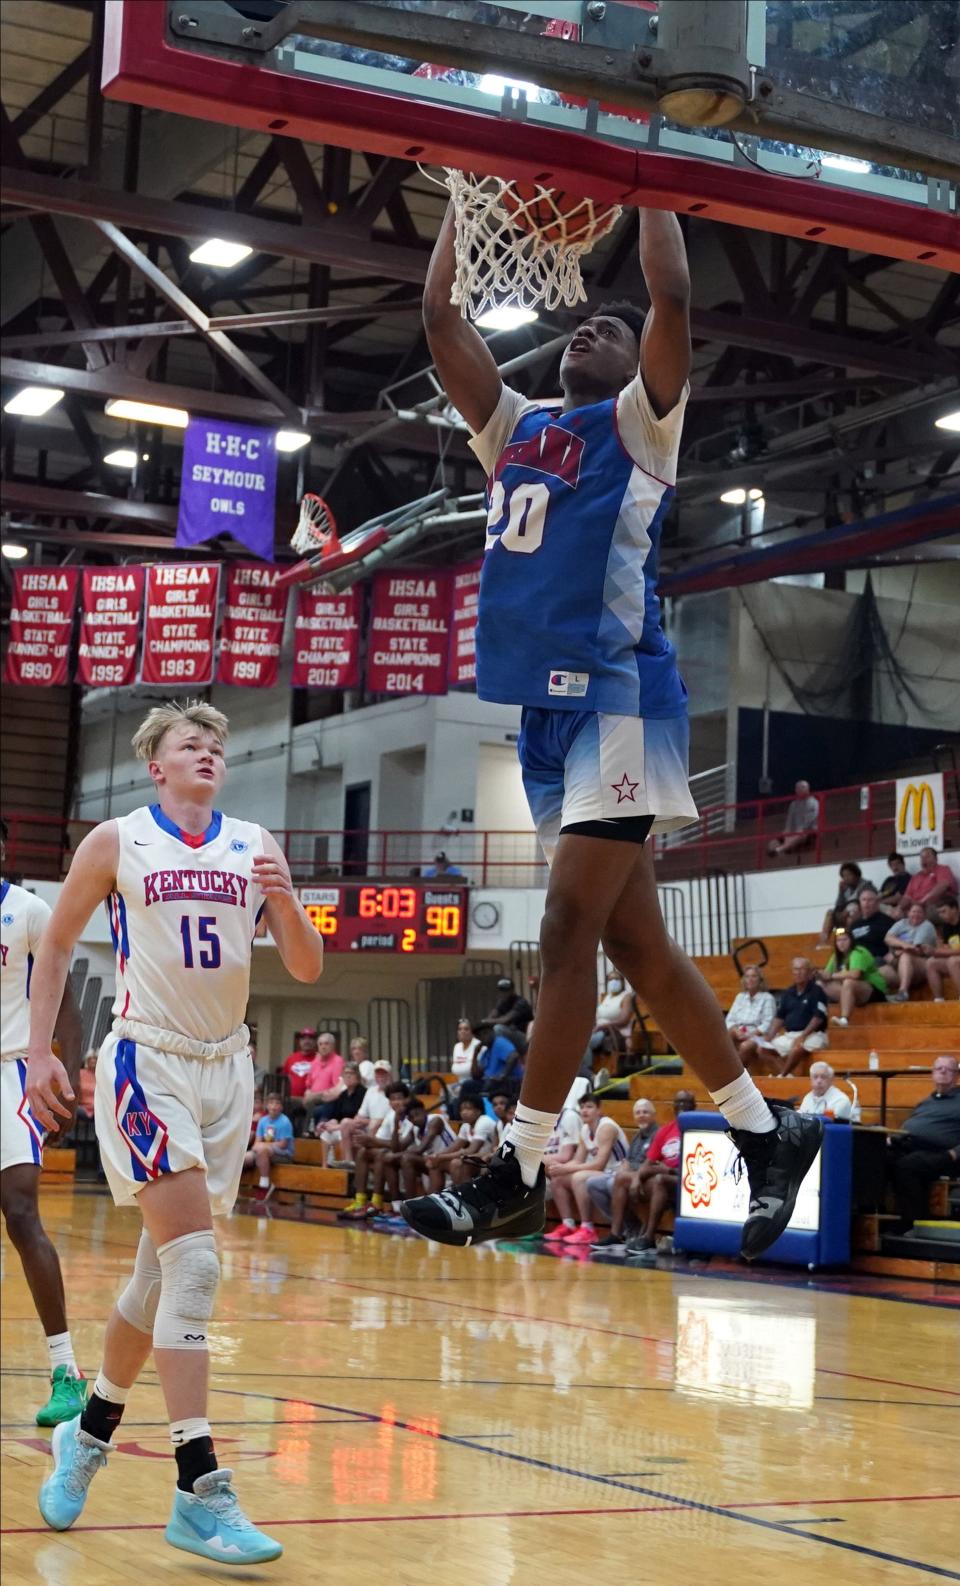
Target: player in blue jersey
<point>569,628</point>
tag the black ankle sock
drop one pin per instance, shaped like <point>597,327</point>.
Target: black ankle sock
<point>194,1459</point>
<point>101,1417</point>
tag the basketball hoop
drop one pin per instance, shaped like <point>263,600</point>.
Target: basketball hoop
<point>521,242</point>
<point>316,529</point>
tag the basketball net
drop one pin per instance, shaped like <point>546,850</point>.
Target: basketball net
<point>316,529</point>
<point>514,243</point>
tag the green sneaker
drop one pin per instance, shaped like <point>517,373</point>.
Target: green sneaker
<point>68,1395</point>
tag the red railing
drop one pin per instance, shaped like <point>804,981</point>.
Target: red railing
<point>855,822</point>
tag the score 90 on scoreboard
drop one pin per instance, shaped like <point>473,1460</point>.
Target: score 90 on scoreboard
<point>377,917</point>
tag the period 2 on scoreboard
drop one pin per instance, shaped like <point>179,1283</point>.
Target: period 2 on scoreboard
<point>376,917</point>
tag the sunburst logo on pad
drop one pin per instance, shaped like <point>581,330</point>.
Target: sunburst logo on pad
<point>700,1177</point>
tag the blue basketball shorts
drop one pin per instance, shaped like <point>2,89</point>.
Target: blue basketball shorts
<point>607,776</point>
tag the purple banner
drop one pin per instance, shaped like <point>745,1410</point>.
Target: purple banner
<point>228,484</point>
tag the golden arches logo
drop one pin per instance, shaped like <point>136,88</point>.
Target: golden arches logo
<point>920,801</point>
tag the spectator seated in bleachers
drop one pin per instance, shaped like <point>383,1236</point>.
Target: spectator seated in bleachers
<point>911,942</point>
<point>657,1178</point>
<point>602,1142</point>
<point>945,958</point>
<point>799,1028</point>
<point>851,977</point>
<point>851,882</point>
<point>501,1100</point>
<point>273,1143</point>
<point>385,1200</point>
<point>87,1084</point>
<point>373,1109</point>
<point>346,1105</point>
<point>800,826</point>
<point>323,1080</point>
<point>466,1047</point>
<point>613,1020</point>
<point>894,885</point>
<point>474,1145</point>
<point>928,1145</point>
<point>497,1064</point>
<point>439,1136</point>
<point>296,1069</point>
<point>931,883</point>
<point>563,1142</point>
<point>509,1016</point>
<point>752,1010</point>
<point>358,1051</point>
<point>391,1135</point>
<point>870,930</point>
<point>615,1193</point>
<point>826,1098</point>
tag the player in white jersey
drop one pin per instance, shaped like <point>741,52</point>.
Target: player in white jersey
<point>185,887</point>
<point>23,917</point>
<point>602,1145</point>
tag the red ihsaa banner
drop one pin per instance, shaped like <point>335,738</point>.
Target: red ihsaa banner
<point>326,639</point>
<point>110,609</point>
<point>41,622</point>
<point>180,625</point>
<point>251,630</point>
<point>409,632</point>
<point>463,625</point>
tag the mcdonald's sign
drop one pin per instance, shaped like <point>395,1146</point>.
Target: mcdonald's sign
<point>919,813</point>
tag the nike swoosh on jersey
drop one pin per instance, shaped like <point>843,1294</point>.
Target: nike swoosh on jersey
<point>138,844</point>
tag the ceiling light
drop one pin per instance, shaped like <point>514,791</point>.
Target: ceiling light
<point>33,400</point>
<point>123,457</point>
<point>14,552</point>
<point>844,162</point>
<point>220,255</point>
<point>734,498</point>
<point>755,494</point>
<point>291,440</point>
<point>147,412</point>
<point>949,421</point>
<point>490,83</point>
<point>507,316</point>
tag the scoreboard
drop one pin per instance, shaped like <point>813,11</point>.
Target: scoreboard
<point>378,917</point>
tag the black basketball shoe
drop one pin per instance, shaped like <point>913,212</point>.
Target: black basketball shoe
<point>497,1204</point>
<point>777,1164</point>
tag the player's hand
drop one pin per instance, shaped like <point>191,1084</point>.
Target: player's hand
<point>271,874</point>
<point>49,1093</point>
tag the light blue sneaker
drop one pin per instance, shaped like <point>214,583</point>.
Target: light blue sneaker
<point>76,1459</point>
<point>209,1521</point>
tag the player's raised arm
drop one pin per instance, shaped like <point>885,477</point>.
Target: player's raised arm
<point>299,945</point>
<point>91,879</point>
<point>665,344</point>
<point>465,364</point>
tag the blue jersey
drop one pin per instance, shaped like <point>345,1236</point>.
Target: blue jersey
<point>569,616</point>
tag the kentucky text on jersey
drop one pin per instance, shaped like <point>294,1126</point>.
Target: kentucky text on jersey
<point>569,616</point>
<point>211,886</point>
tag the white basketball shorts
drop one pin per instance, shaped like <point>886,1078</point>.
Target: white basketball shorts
<point>158,1112</point>
<point>21,1137</point>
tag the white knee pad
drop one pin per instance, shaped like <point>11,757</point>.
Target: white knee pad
<point>191,1272</point>
<point>139,1300</point>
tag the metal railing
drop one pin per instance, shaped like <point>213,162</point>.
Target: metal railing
<point>854,822</point>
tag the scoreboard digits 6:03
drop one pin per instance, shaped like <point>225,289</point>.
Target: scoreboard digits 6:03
<point>381,917</point>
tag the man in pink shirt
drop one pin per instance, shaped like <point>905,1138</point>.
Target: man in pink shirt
<point>930,884</point>
<point>323,1080</point>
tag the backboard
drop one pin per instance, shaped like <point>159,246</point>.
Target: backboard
<point>571,93</point>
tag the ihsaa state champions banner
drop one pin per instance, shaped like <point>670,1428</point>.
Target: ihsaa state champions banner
<point>111,604</point>
<point>409,632</point>
<point>463,625</point>
<point>326,639</point>
<point>41,622</point>
<point>180,623</point>
<point>228,484</point>
<point>251,631</point>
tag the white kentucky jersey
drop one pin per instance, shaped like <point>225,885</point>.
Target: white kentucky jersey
<point>182,920</point>
<point>569,616</point>
<point>594,1141</point>
<point>23,917</point>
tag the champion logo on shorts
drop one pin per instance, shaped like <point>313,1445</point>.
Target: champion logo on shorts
<point>573,685</point>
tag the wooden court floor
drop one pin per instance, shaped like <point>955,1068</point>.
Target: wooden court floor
<point>406,1415</point>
